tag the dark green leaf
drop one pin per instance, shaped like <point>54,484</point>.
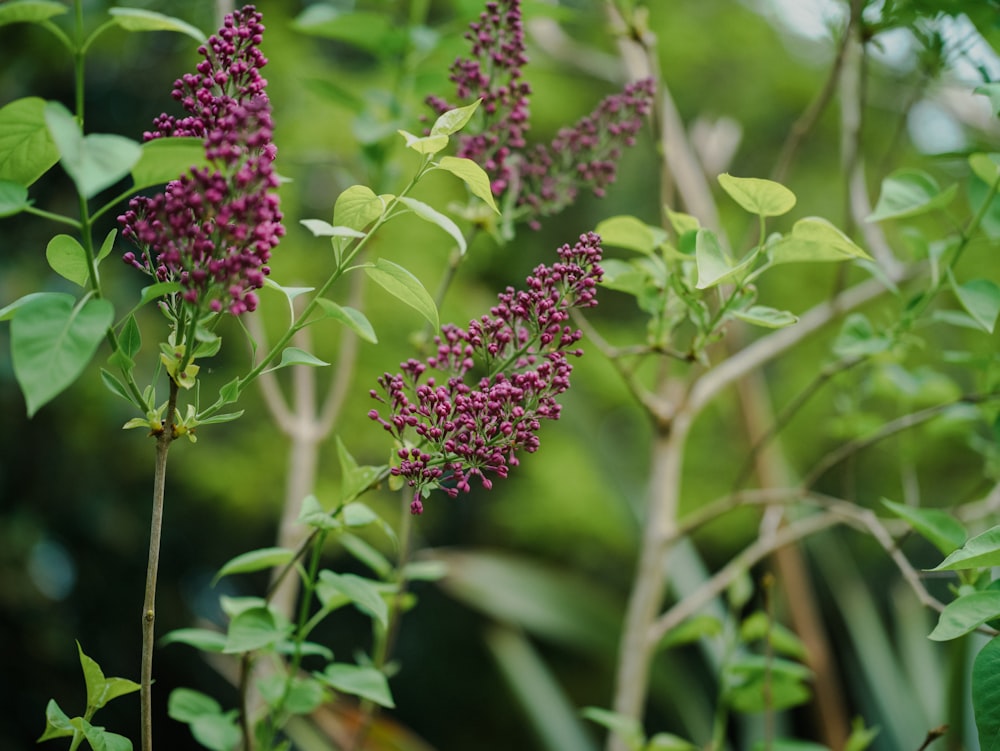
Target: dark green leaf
<point>986,695</point>
<point>52,340</point>
<point>252,629</point>
<point>940,528</point>
<point>628,728</point>
<point>691,630</point>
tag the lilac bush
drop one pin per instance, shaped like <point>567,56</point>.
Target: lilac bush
<point>463,431</point>
<point>214,228</point>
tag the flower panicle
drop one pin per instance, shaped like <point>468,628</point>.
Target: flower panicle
<point>453,428</point>
<point>544,178</point>
<point>214,228</point>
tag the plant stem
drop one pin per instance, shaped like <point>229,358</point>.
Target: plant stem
<point>163,441</point>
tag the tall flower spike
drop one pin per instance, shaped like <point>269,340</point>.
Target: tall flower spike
<point>451,428</point>
<point>214,228</point>
<point>546,178</point>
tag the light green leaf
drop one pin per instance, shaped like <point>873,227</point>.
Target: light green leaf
<point>424,144</point>
<point>454,120</point>
<point>858,338</point>
<point>681,222</point>
<point>167,159</point>
<point>691,630</point>
<point>627,727</point>
<point>52,340</point>
<point>367,554</point>
<point>362,592</point>
<point>910,192</point>
<point>371,31</point>
<point>404,286</point>
<point>367,683</point>
<point>630,233</point>
<point>714,265</point>
<point>965,614</point>
<point>185,705</point>
<point>761,315</point>
<point>319,228</point>
<point>95,162</point>
<point>29,11</point>
<point>57,723</point>
<point>107,245</point>
<point>986,695</point>
<point>7,312</point>
<point>136,19</point>
<point>861,737</point>
<point>940,528</point>
<point>981,300</point>
<point>433,216</point>
<point>27,150</point>
<point>104,740</point>
<point>255,560</point>
<point>357,207</point>
<point>354,319</point>
<point>101,690</point>
<point>814,239</point>
<point>13,198</point>
<point>296,356</point>
<point>668,742</point>
<point>199,638</point>
<point>760,197</point>
<point>982,551</point>
<point>115,386</point>
<point>68,259</point>
<point>986,167</point>
<point>252,629</point>
<point>472,175</point>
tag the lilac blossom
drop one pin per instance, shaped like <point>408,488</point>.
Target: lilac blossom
<point>543,179</point>
<point>213,229</point>
<point>454,427</point>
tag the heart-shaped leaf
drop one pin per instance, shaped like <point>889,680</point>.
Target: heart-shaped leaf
<point>27,150</point>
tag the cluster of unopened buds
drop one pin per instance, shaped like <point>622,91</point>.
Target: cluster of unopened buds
<point>213,229</point>
<point>452,427</point>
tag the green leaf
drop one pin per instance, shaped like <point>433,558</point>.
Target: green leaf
<point>982,551</point>
<point>252,629</point>
<point>630,233</point>
<point>296,356</point>
<point>374,32</point>
<point>27,150</point>
<point>714,265</point>
<point>424,144</point>
<point>186,705</point>
<point>8,311</point>
<point>472,175</point>
<point>57,724</point>
<point>255,560</point>
<point>167,159</point>
<point>212,728</point>
<point>67,258</point>
<point>156,291</point>
<point>691,630</point>
<point>314,515</point>
<point>52,340</point>
<point>965,614</point>
<point>136,19</point>
<point>103,740</point>
<point>199,638</point>
<point>681,222</point>
<point>319,228</point>
<point>814,239</point>
<point>357,207</point>
<point>908,193</point>
<point>29,11</point>
<point>107,245</point>
<point>367,554</point>
<point>761,315</point>
<point>95,162</point>
<point>354,319</point>
<point>13,198</point>
<point>760,197</point>
<point>404,286</point>
<point>986,167</point>
<point>981,300</point>
<point>861,737</point>
<point>668,742</point>
<point>433,216</point>
<point>986,695</point>
<point>365,595</point>
<point>304,694</point>
<point>454,120</point>
<point>115,386</point>
<point>858,338</point>
<point>940,528</point>
<point>628,728</point>
<point>368,683</point>
<point>101,690</point>
<point>991,90</point>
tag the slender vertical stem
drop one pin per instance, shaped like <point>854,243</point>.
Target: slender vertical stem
<point>163,441</point>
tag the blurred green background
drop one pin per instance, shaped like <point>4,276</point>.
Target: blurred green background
<point>74,488</point>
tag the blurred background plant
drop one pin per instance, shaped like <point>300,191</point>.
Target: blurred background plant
<point>523,630</point>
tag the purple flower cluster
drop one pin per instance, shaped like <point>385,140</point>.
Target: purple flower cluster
<point>544,179</point>
<point>213,229</point>
<point>461,431</point>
